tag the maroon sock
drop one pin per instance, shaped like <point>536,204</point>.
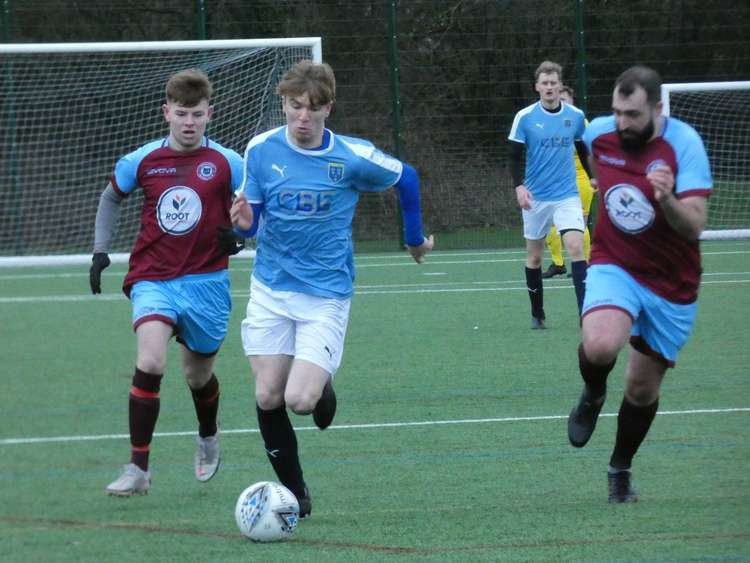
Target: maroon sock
<point>143,411</point>
<point>206,401</point>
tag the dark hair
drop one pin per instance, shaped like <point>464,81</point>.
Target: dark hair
<point>643,76</point>
<point>548,67</point>
<point>568,90</point>
<point>306,77</point>
<point>189,87</point>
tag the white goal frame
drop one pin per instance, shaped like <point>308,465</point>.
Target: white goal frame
<point>666,90</point>
<point>313,43</point>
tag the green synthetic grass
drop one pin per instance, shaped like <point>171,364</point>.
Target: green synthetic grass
<point>449,443</point>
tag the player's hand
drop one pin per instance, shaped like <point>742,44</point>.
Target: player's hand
<point>229,241</point>
<point>523,196</point>
<point>594,184</point>
<point>662,180</point>
<point>241,213</point>
<point>99,261</point>
<point>418,252</point>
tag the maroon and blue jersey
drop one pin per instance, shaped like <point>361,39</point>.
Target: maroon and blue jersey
<point>631,228</point>
<point>186,196</point>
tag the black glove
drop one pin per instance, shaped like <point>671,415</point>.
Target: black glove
<point>99,261</point>
<point>229,241</point>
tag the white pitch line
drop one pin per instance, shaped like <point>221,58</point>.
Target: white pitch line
<point>64,439</point>
<point>389,261</point>
<point>418,288</point>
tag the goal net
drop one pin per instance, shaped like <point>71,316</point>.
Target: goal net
<point>69,111</point>
<point>720,112</point>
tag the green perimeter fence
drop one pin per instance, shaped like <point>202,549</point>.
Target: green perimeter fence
<point>434,82</point>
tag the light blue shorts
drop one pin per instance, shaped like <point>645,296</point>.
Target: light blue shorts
<point>663,326</point>
<point>196,305</point>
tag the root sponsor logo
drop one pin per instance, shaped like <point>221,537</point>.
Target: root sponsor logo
<point>179,210</point>
<point>628,209</point>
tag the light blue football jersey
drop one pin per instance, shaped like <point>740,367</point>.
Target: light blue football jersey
<point>309,197</point>
<point>549,138</point>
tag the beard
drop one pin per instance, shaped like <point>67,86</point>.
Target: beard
<point>634,141</point>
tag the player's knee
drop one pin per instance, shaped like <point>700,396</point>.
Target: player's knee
<point>151,363</point>
<point>300,402</point>
<point>533,262</point>
<point>599,349</point>
<point>575,250</point>
<point>197,379</point>
<point>641,393</point>
<point>268,399</point>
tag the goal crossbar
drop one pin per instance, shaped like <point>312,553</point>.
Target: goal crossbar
<point>134,46</point>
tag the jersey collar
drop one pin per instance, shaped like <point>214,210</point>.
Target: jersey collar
<point>329,140</point>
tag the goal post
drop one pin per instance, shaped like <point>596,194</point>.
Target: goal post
<point>720,112</point>
<point>68,111</point>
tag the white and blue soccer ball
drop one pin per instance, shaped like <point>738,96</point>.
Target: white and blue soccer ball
<point>266,512</point>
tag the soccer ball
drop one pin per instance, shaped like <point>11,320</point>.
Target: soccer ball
<point>267,512</point>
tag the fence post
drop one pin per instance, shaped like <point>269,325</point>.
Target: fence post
<point>582,95</point>
<point>10,130</point>
<point>395,93</point>
<point>200,8</point>
<point>6,21</point>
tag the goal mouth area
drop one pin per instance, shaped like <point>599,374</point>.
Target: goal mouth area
<point>720,112</point>
<point>70,111</point>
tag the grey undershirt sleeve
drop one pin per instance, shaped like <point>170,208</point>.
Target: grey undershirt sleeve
<point>106,218</point>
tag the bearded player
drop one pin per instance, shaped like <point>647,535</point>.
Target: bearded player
<point>642,284</point>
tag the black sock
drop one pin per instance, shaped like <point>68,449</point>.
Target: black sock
<point>594,375</point>
<point>579,281</point>
<point>206,401</point>
<point>281,447</point>
<point>633,423</point>
<point>143,411</point>
<point>536,292</point>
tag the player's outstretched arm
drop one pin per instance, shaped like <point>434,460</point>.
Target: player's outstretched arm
<point>418,252</point>
<point>408,197</point>
<point>106,219</point>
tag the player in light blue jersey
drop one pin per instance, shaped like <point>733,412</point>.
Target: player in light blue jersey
<point>301,187</point>
<point>550,130</point>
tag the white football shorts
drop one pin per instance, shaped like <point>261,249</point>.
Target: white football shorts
<point>565,214</point>
<point>295,324</point>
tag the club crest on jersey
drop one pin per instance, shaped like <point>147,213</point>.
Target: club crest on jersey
<point>628,209</point>
<point>335,172</point>
<point>178,210</point>
<point>653,165</point>
<point>206,170</point>
<point>568,123</point>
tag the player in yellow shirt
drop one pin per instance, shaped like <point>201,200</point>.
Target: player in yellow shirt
<point>586,191</point>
